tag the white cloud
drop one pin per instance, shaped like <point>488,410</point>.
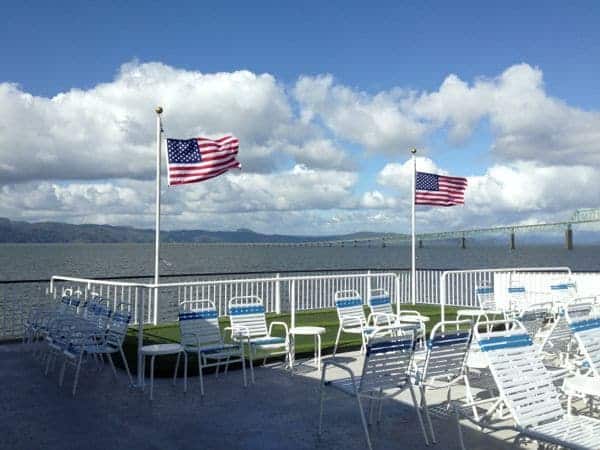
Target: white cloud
<point>378,122</point>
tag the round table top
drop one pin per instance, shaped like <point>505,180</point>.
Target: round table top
<point>478,312</point>
<point>307,331</point>
<point>415,318</point>
<point>162,349</point>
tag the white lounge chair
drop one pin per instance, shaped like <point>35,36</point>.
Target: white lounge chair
<point>201,335</point>
<point>385,375</point>
<point>528,391</point>
<point>249,326</point>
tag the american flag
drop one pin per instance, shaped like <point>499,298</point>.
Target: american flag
<point>439,190</point>
<point>199,159</point>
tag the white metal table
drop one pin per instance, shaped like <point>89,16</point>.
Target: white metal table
<point>306,331</point>
<point>164,349</point>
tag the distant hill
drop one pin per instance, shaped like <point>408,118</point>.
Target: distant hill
<point>50,232</point>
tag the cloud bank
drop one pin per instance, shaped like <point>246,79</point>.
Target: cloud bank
<point>307,149</point>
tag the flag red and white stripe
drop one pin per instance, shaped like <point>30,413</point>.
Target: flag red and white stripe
<point>439,190</point>
<point>200,159</point>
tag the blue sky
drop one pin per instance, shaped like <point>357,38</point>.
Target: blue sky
<point>390,49</point>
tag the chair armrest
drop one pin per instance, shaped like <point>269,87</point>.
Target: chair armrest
<point>389,318</point>
<point>346,369</point>
<point>356,321</point>
<point>281,324</point>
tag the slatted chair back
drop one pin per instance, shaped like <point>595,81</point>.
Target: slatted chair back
<point>486,297</point>
<point>69,303</point>
<point>118,324</point>
<point>199,323</point>
<point>522,379</point>
<point>534,318</point>
<point>248,313</point>
<point>517,297</point>
<point>349,306</point>
<point>387,362</point>
<point>562,292</point>
<point>380,302</point>
<point>585,326</point>
<point>98,312</point>
<point>447,351</point>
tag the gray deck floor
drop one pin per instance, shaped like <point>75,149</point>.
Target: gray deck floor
<point>278,412</point>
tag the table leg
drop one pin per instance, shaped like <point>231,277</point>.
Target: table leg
<point>319,352</point>
<point>185,368</point>
<point>152,377</point>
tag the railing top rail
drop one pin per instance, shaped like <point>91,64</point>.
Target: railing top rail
<point>213,282</point>
<point>274,279</point>
<point>510,269</point>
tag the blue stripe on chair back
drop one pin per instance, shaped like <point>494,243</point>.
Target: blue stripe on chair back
<point>584,325</point>
<point>65,299</point>
<point>485,290</point>
<point>391,345</point>
<point>121,317</point>
<point>451,338</point>
<point>101,310</point>
<point>348,302</point>
<point>514,290</point>
<point>559,287</point>
<point>244,310</point>
<point>503,342</point>
<point>194,315</point>
<point>380,300</point>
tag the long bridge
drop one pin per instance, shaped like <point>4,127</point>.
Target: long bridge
<point>581,216</point>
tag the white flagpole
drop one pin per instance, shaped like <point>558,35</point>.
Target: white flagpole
<point>158,111</point>
<point>413,268</point>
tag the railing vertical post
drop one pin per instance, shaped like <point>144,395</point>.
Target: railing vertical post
<point>278,294</point>
<point>293,303</point>
<point>443,300</point>
<point>368,286</point>
<point>155,307</point>
<point>397,293</point>
<point>140,339</point>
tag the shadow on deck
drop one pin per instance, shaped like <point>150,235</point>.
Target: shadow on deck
<point>279,412</point>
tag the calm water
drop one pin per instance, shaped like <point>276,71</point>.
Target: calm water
<point>27,261</point>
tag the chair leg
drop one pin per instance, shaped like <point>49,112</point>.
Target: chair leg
<point>426,412</point>
<point>176,368</point>
<point>200,374</point>
<point>77,370</point>
<point>250,352</point>
<point>337,340</point>
<point>152,358</point>
<point>126,365</point>
<point>461,440</point>
<point>364,422</point>
<point>469,396</point>
<point>112,364</point>
<point>418,410</point>
<point>243,361</point>
<point>227,364</point>
<point>61,377</point>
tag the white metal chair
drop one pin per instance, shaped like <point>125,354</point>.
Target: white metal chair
<point>445,363</point>
<point>528,391</point>
<point>487,309</point>
<point>249,326</point>
<point>385,375</point>
<point>201,335</point>
<point>380,304</point>
<point>349,307</point>
<point>86,341</point>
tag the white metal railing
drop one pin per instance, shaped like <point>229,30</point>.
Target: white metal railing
<point>457,287</point>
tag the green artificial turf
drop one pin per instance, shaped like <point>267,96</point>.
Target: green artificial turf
<point>327,318</point>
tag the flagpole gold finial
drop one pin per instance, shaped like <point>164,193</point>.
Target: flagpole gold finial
<point>413,150</point>
<point>159,110</point>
